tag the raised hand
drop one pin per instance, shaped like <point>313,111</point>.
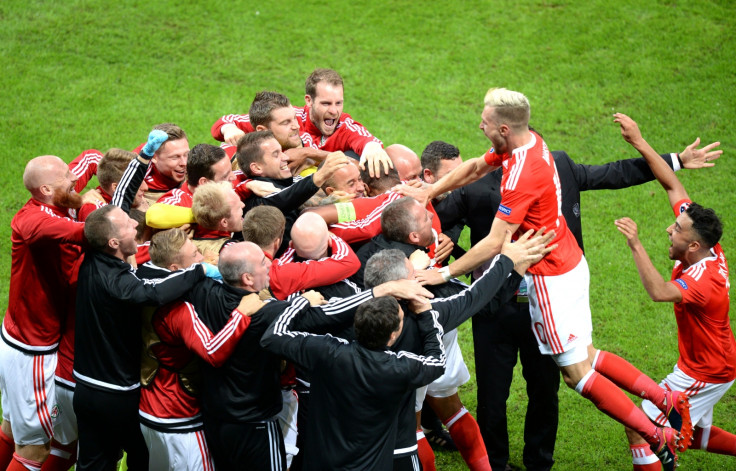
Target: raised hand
<point>250,304</point>
<point>155,139</point>
<point>692,157</point>
<point>374,157</point>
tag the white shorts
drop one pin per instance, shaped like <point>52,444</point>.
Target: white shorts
<point>65,420</point>
<point>28,394</point>
<point>177,451</point>
<point>287,422</point>
<point>560,310</point>
<point>703,396</point>
<point>456,372</point>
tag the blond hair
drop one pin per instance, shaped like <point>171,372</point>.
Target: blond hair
<point>510,107</point>
<point>165,247</point>
<point>209,204</point>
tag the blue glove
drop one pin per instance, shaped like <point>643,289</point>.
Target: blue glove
<point>155,139</point>
<point>212,271</point>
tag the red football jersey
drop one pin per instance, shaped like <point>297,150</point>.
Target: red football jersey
<point>289,276</point>
<point>178,196</point>
<point>367,223</point>
<point>183,335</point>
<point>88,208</point>
<point>46,248</point>
<point>704,336</point>
<point>531,197</point>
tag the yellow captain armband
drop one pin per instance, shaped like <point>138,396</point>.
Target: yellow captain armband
<point>165,216</point>
<point>345,212</point>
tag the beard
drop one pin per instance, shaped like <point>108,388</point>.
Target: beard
<point>65,199</point>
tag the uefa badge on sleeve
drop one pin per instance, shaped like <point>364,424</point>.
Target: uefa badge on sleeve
<point>681,282</point>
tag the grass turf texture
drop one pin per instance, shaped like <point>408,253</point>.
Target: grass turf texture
<point>82,74</point>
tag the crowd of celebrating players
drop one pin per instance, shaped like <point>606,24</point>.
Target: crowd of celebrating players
<point>285,300</point>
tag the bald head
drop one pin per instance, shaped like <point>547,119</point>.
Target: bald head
<point>309,236</point>
<point>346,179</point>
<point>244,265</point>
<point>43,170</point>
<point>50,181</point>
<point>406,161</point>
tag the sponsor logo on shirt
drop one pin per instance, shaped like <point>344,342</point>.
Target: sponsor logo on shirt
<point>681,282</point>
<point>505,210</point>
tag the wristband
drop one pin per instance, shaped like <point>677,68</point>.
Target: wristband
<point>680,160</point>
<point>445,272</point>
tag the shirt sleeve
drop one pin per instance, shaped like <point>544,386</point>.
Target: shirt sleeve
<point>41,225</point>
<point>681,206</point>
<point>215,349</point>
<point>289,277</point>
<point>351,136</point>
<point>430,365</point>
<point>492,158</point>
<point>303,348</point>
<point>693,292</point>
<point>84,167</point>
<point>164,216</point>
<point>367,223</point>
<point>127,287</point>
<point>242,121</point>
<point>286,199</point>
<point>515,204</point>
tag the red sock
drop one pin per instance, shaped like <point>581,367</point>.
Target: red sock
<point>465,433</point>
<point>719,441</point>
<point>21,464</point>
<point>643,458</point>
<point>627,377</point>
<point>61,458</point>
<point>424,450</point>
<point>613,402</point>
<point>7,448</point>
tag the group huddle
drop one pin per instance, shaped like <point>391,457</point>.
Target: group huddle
<point>285,300</point>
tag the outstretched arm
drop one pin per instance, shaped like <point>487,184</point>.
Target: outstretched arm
<point>467,172</point>
<point>657,288</point>
<point>664,174</point>
<point>484,250</point>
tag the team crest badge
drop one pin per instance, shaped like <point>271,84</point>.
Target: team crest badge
<point>55,411</point>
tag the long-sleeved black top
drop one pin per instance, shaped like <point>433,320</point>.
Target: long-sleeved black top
<point>356,392</point>
<point>110,296</point>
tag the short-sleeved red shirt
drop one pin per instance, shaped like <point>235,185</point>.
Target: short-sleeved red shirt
<point>531,197</point>
<point>705,339</point>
